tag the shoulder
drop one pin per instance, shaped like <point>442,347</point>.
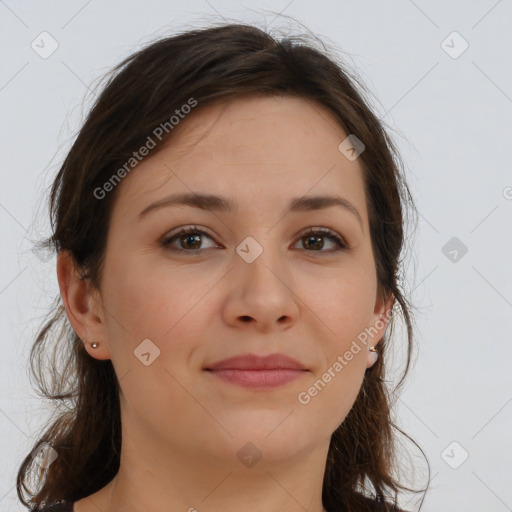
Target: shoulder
<point>59,506</point>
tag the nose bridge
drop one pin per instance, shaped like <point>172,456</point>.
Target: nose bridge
<point>256,257</point>
<point>260,278</point>
<point>262,249</point>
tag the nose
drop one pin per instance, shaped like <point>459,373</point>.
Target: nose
<point>260,295</point>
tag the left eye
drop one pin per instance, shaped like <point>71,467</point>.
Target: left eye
<point>190,239</point>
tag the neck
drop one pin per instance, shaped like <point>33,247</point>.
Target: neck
<point>154,480</point>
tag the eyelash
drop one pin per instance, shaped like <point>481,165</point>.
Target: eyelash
<point>325,232</point>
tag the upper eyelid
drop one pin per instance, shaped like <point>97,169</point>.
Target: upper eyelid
<point>195,227</point>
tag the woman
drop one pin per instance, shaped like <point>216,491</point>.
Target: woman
<point>228,223</point>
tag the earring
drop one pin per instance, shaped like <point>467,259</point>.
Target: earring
<point>374,350</point>
<point>94,345</point>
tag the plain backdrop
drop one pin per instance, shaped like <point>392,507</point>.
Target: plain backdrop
<point>441,75</point>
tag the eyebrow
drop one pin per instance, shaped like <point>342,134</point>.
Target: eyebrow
<point>216,203</point>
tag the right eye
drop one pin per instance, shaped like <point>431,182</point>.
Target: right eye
<point>186,236</point>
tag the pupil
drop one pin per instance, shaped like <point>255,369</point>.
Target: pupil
<point>188,237</point>
<point>314,238</point>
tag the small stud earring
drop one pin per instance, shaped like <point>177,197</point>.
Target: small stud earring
<point>94,345</point>
<point>376,354</point>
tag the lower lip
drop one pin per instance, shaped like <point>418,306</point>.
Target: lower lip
<point>263,379</point>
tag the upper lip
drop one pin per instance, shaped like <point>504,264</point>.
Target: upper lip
<point>255,362</point>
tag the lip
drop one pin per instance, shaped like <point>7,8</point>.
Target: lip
<point>254,362</point>
<point>253,371</point>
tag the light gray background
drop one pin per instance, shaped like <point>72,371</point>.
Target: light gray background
<point>451,118</point>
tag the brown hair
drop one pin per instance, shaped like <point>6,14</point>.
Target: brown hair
<point>142,93</point>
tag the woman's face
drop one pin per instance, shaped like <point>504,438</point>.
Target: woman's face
<point>248,280</point>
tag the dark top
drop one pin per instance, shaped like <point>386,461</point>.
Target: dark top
<point>61,506</point>
<point>67,506</point>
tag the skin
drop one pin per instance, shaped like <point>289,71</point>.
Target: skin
<point>183,427</point>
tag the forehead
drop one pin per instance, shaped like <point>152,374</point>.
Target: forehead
<point>256,126</point>
<point>248,147</point>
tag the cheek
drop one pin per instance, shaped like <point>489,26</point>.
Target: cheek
<point>344,304</point>
<point>143,305</point>
<point>164,306</point>
<point>328,397</point>
<point>333,389</point>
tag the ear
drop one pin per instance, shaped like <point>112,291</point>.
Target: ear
<point>380,321</point>
<point>83,306</point>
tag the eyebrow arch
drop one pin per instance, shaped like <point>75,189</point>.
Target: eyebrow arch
<point>212,202</point>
